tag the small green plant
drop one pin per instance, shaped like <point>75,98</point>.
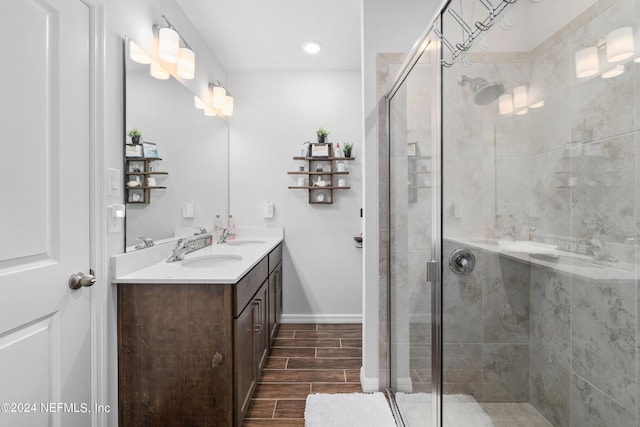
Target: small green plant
<point>347,149</point>
<point>134,133</point>
<point>322,134</point>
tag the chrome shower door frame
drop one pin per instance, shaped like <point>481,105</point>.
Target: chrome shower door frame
<point>433,269</point>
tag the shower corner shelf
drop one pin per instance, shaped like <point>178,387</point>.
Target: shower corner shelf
<point>310,172</point>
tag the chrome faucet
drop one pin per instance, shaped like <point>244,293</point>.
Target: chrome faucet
<point>147,242</point>
<point>181,249</point>
<point>190,244</point>
<point>201,230</point>
<point>224,235</point>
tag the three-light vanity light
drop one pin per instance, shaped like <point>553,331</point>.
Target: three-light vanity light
<point>175,53</point>
<point>618,47</point>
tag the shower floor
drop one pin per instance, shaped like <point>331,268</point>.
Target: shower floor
<point>463,411</point>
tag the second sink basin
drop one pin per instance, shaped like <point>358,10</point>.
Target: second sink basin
<point>209,261</point>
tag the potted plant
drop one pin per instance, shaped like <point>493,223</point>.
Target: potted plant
<point>135,135</point>
<point>347,149</point>
<point>322,135</point>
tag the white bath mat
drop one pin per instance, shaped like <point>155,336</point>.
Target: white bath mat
<point>459,410</point>
<point>348,410</point>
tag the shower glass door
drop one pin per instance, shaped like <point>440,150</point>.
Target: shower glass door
<point>540,187</point>
<point>413,135</point>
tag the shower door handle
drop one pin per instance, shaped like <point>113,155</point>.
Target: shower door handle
<point>462,261</point>
<point>432,271</point>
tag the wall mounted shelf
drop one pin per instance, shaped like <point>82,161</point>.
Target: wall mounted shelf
<point>321,195</point>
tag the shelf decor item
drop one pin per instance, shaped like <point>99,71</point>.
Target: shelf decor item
<point>320,150</point>
<point>135,135</point>
<point>322,134</point>
<point>133,150</point>
<point>150,149</point>
<point>347,149</point>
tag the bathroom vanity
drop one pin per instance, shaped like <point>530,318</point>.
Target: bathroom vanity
<point>193,336</point>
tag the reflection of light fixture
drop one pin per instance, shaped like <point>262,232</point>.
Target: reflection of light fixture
<point>168,45</point>
<point>538,104</point>
<point>169,50</point>
<point>522,112</point>
<point>519,97</point>
<point>311,47</point>
<point>587,63</point>
<point>614,72</point>
<point>620,44</point>
<point>208,111</point>
<point>138,55</point>
<point>186,63</point>
<point>198,103</point>
<point>219,94</point>
<point>227,109</point>
<point>157,71</point>
<point>505,104</point>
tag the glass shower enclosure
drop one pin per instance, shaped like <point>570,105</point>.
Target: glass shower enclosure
<point>513,214</point>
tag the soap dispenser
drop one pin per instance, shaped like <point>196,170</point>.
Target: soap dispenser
<point>231,230</point>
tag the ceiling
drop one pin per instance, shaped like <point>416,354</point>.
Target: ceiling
<point>268,35</point>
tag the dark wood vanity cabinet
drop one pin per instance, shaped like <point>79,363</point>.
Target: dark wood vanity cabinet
<point>192,354</point>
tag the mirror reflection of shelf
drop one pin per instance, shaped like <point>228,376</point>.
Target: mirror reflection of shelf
<point>141,194</point>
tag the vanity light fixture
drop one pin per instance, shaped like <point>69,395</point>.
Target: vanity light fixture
<point>614,72</point>
<point>138,55</point>
<point>170,51</point>
<point>198,103</point>
<point>227,109</point>
<point>219,94</point>
<point>587,62</point>
<point>209,112</point>
<point>158,71</point>
<point>311,47</point>
<point>520,97</point>
<point>620,44</point>
<point>522,112</point>
<point>538,104</point>
<point>505,104</point>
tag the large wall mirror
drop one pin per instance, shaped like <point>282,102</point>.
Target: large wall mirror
<point>189,184</point>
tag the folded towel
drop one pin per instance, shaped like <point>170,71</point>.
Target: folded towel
<point>348,410</point>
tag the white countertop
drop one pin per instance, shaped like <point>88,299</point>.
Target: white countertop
<point>150,266</point>
<point>566,262</point>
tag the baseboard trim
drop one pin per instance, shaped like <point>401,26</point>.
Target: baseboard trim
<point>321,318</point>
<point>369,385</point>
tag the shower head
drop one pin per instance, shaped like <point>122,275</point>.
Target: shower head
<point>483,92</point>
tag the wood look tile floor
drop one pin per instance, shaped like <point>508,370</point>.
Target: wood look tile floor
<point>305,359</point>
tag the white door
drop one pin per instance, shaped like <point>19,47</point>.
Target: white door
<point>44,213</point>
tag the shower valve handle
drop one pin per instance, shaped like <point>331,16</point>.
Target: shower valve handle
<point>462,261</point>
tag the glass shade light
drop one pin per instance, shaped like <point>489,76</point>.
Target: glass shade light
<point>538,104</point>
<point>168,45</point>
<point>227,108</point>
<point>587,62</point>
<point>620,44</point>
<point>186,63</point>
<point>198,103</point>
<point>219,94</point>
<point>157,71</point>
<point>138,55</point>
<point>208,111</point>
<point>522,112</point>
<point>520,97</point>
<point>614,72</point>
<point>505,104</point>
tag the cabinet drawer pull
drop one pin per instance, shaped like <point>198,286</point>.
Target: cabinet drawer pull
<point>217,360</point>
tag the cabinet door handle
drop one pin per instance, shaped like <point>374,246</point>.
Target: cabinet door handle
<point>258,325</point>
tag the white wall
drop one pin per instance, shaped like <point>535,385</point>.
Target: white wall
<point>388,26</point>
<point>275,113</point>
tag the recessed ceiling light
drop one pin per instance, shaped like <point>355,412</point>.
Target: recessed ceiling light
<point>311,47</point>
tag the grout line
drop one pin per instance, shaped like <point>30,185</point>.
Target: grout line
<point>273,415</point>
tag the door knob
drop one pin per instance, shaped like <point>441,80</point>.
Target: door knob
<point>462,261</point>
<point>78,280</point>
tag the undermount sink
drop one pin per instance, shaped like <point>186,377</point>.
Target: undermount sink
<point>208,261</point>
<point>528,247</point>
<point>245,242</point>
